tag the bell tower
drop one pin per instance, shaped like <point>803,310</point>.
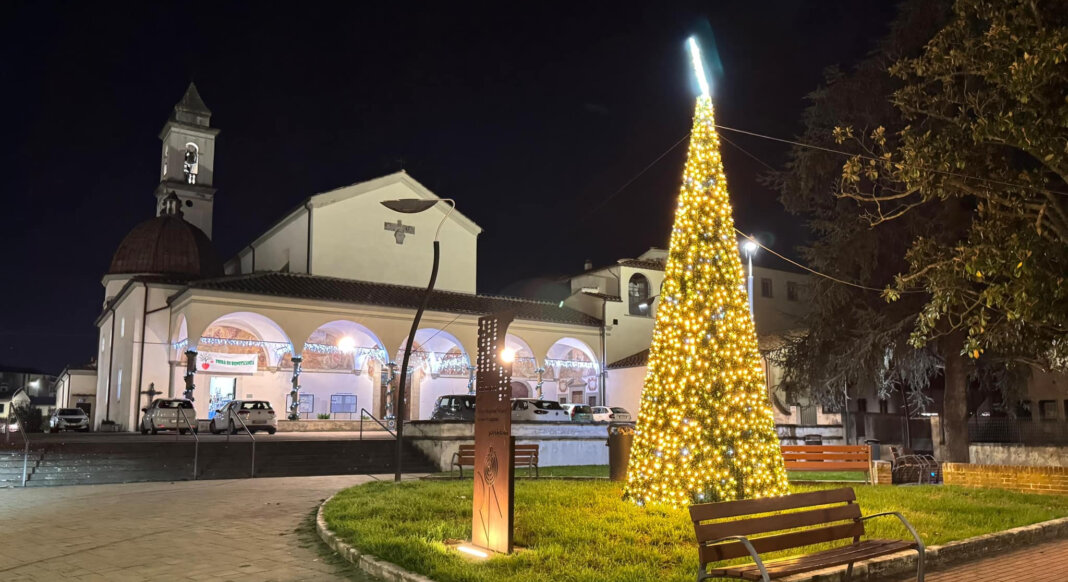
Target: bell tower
<point>187,166</point>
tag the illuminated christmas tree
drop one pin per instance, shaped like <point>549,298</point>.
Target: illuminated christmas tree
<point>706,431</point>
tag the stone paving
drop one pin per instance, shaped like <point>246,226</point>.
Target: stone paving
<point>1046,562</point>
<point>245,529</point>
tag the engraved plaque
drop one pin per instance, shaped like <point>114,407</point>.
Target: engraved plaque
<point>492,514</point>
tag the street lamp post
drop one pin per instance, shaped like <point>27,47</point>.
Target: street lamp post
<point>750,247</point>
<point>413,206</point>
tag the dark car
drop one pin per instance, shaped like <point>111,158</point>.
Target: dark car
<point>454,407</point>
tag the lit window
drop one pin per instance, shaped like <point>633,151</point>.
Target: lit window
<point>638,293</point>
<point>118,386</point>
<point>122,327</point>
<point>791,291</point>
<point>765,287</point>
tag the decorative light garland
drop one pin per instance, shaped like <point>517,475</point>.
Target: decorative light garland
<point>570,364</point>
<point>706,430</point>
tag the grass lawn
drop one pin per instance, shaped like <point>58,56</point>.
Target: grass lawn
<point>602,471</point>
<point>582,530</point>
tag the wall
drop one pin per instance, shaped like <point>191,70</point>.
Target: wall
<point>629,334</point>
<point>777,313</point>
<point>625,388</point>
<point>561,443</point>
<point>285,244</point>
<point>1046,480</point>
<point>1018,454</point>
<point>349,239</point>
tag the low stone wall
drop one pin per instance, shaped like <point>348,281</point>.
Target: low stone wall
<point>561,443</point>
<point>794,434</point>
<point>326,425</point>
<point>1049,480</point>
<point>1018,454</point>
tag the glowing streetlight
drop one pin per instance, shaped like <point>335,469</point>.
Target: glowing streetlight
<point>508,355</point>
<point>415,206</point>
<point>346,344</point>
<point>750,246</point>
<point>699,67</point>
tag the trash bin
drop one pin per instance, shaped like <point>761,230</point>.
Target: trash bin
<point>874,444</point>
<point>620,438</point>
<point>813,439</point>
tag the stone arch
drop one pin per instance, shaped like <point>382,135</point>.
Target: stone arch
<point>526,363</point>
<point>439,365</point>
<point>572,367</point>
<point>243,332</point>
<point>342,345</point>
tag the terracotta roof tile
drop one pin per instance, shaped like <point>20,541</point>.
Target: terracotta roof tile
<point>631,361</point>
<point>303,286</point>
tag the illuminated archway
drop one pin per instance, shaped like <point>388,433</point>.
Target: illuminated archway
<point>571,367</point>
<point>525,365</point>
<point>439,366</point>
<point>342,366</point>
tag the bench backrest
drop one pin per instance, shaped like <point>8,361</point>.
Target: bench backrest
<point>524,454</point>
<point>827,457</point>
<point>826,515</point>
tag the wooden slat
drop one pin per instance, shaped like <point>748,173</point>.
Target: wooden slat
<point>786,541</point>
<point>772,523</point>
<point>707,511</point>
<point>470,449</point>
<point>835,557</point>
<point>827,466</point>
<point>825,448</point>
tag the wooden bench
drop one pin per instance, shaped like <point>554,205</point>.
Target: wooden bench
<point>724,529</point>
<point>828,458</point>
<point>525,456</point>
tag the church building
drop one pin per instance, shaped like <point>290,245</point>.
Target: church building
<point>319,305</point>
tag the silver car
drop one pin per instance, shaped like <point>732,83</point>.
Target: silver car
<point>257,415</point>
<point>540,410</point>
<point>69,419</point>
<point>168,414</point>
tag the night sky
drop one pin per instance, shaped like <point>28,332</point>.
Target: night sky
<point>531,119</point>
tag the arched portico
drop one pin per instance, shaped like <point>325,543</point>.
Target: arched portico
<point>438,366</point>
<point>237,356</point>
<point>571,372</point>
<point>340,359</point>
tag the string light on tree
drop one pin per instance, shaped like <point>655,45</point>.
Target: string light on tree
<point>706,431</point>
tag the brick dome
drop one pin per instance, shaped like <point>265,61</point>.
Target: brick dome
<point>167,245</point>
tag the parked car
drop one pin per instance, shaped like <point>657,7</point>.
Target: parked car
<point>534,409</point>
<point>613,414</point>
<point>168,414</point>
<point>578,412</point>
<point>68,419</point>
<point>454,407</point>
<point>257,415</point>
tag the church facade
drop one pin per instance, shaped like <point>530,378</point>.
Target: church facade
<point>321,302</point>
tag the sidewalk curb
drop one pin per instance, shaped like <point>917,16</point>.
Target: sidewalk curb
<point>896,565</point>
<point>904,563</point>
<point>378,568</point>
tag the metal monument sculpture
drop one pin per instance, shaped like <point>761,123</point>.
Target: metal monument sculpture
<point>492,509</point>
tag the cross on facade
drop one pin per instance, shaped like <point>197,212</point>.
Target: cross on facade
<point>152,392</point>
<point>399,230</point>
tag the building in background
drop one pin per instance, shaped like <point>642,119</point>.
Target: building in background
<point>32,387</point>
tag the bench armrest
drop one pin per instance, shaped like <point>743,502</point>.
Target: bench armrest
<point>748,546</point>
<point>908,526</point>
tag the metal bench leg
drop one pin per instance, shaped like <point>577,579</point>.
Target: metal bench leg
<point>848,573</point>
<point>919,564</point>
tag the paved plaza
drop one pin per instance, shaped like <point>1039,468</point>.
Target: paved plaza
<point>249,529</point>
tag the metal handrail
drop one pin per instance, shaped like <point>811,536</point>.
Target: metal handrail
<point>196,439</point>
<point>252,472</point>
<point>367,413</point>
<point>25,439</point>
